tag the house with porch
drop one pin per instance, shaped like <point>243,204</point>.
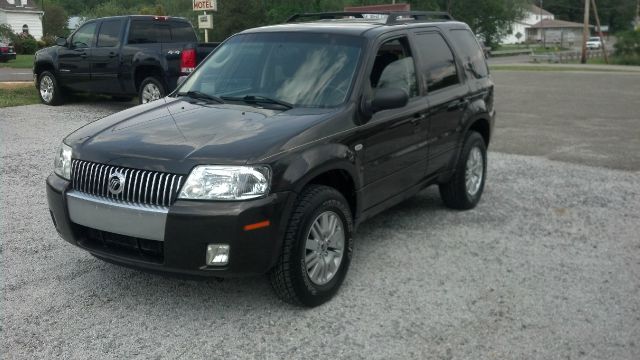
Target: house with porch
<point>23,16</point>
<point>518,31</point>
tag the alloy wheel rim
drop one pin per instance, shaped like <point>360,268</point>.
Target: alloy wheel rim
<point>324,247</point>
<point>150,92</point>
<point>46,88</point>
<point>474,171</point>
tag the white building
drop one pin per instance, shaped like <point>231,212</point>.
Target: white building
<point>22,16</point>
<point>532,16</point>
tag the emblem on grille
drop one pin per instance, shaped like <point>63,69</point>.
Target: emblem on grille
<point>116,183</point>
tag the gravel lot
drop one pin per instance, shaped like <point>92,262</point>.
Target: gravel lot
<point>547,267</point>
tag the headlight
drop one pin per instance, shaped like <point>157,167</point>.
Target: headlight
<point>218,182</point>
<point>62,162</point>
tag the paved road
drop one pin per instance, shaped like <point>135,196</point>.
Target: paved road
<point>10,75</point>
<point>547,266</point>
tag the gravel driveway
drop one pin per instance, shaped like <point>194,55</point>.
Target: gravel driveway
<point>546,267</point>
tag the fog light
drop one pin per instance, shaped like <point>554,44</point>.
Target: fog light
<point>217,254</point>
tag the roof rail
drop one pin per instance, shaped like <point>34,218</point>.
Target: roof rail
<point>393,17</point>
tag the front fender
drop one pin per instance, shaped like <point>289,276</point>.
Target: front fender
<point>299,168</point>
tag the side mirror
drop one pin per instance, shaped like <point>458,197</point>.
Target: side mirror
<point>181,79</point>
<point>384,99</point>
<point>60,41</point>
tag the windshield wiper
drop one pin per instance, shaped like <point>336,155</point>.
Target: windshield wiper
<point>253,99</point>
<point>201,96</point>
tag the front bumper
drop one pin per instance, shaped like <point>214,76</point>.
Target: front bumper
<point>189,226</point>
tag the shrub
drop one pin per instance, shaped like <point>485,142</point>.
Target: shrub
<point>628,43</point>
<point>25,44</point>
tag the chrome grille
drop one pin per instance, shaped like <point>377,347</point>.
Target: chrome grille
<point>140,186</point>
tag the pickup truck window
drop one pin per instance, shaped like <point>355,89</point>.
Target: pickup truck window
<point>183,32</point>
<point>83,38</point>
<point>147,32</point>
<point>307,70</point>
<point>109,34</point>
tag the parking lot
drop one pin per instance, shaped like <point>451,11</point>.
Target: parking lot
<point>546,267</point>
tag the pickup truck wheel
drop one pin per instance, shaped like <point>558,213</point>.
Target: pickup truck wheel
<point>317,248</point>
<point>464,189</point>
<point>151,89</point>
<point>48,89</point>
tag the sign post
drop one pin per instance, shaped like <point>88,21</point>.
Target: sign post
<point>205,21</point>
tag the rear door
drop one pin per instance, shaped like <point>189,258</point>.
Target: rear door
<point>74,68</point>
<point>143,47</point>
<point>447,96</point>
<point>105,57</point>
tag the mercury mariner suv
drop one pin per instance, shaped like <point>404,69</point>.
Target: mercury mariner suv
<point>270,154</point>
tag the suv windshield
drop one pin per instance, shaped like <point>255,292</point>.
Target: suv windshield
<point>306,70</point>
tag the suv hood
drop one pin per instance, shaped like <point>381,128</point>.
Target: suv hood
<point>173,135</point>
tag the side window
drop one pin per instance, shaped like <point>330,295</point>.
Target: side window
<point>394,67</point>
<point>470,51</point>
<point>148,32</point>
<point>109,34</point>
<point>182,32</point>
<point>437,62</point>
<point>83,38</point>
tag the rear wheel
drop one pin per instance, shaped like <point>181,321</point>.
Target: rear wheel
<point>151,89</point>
<point>317,248</point>
<point>464,189</point>
<point>48,89</point>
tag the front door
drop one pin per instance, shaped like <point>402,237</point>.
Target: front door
<point>74,67</point>
<point>105,58</point>
<point>395,150</point>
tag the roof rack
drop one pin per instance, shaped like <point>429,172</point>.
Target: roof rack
<point>393,17</point>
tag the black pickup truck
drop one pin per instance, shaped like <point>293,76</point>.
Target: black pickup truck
<point>122,56</point>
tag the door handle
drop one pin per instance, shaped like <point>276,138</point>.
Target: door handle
<point>458,105</point>
<point>418,117</point>
<point>83,55</point>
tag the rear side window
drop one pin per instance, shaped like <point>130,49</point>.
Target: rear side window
<point>470,51</point>
<point>182,32</point>
<point>437,63</point>
<point>148,32</point>
<point>109,34</point>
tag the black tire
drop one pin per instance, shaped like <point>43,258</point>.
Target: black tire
<point>49,83</point>
<point>454,193</point>
<point>148,84</point>
<point>289,277</point>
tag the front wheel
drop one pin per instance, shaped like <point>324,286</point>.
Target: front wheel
<point>151,89</point>
<point>317,248</point>
<point>464,189</point>
<point>48,89</point>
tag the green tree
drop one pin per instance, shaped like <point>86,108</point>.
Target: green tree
<point>54,21</point>
<point>490,19</point>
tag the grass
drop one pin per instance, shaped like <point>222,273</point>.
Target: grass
<point>21,62</point>
<point>15,94</point>
<point>537,49</point>
<point>549,68</point>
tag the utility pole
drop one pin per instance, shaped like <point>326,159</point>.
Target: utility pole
<point>637,14</point>
<point>585,32</point>
<point>604,49</point>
